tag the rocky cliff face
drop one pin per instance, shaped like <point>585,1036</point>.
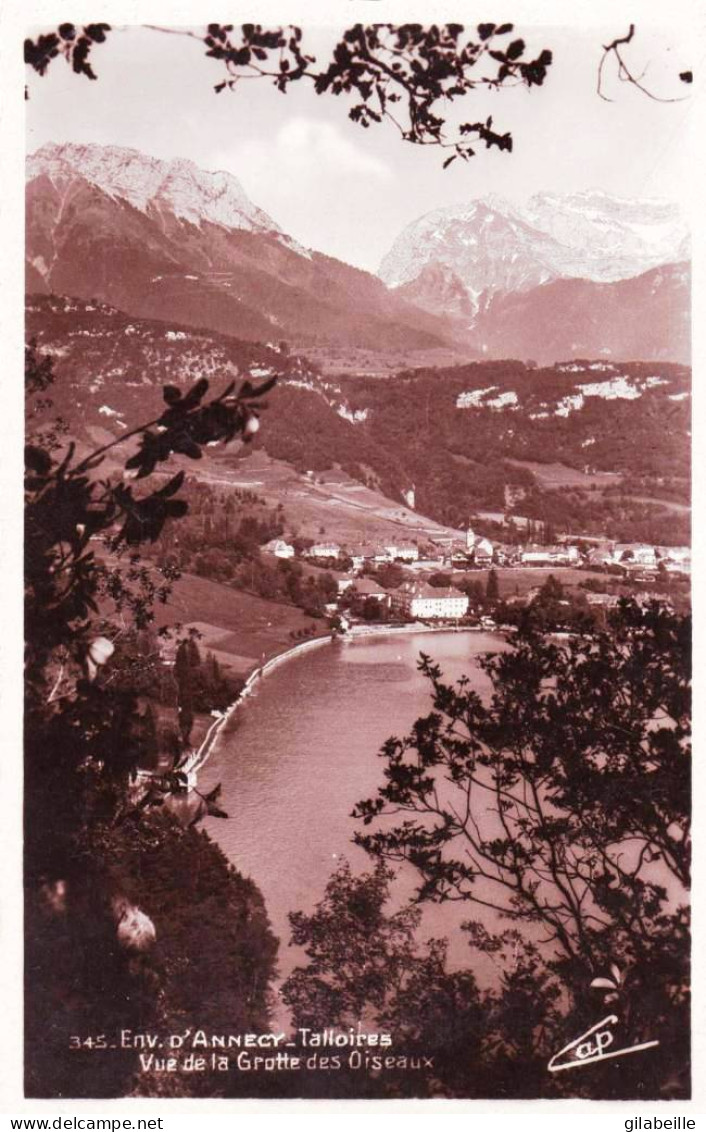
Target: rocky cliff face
<point>437,288</point>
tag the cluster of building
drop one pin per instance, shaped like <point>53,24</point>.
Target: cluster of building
<point>416,599</point>
<point>476,550</point>
<point>367,554</point>
<point>632,558</point>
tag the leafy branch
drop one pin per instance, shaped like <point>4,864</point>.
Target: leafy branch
<point>67,507</point>
<point>402,74</point>
<point>68,41</point>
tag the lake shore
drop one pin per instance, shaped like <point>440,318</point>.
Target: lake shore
<point>199,757</point>
<point>197,760</point>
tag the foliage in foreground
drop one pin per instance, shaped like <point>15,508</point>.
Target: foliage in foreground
<point>210,968</point>
<point>403,75</point>
<point>562,806</point>
<point>132,921</point>
<point>367,970</point>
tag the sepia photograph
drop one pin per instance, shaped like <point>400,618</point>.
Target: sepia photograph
<point>357,530</point>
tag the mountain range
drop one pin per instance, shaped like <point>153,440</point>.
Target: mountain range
<point>581,275</point>
<point>586,275</point>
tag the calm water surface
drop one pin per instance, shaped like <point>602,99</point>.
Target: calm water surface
<point>303,751</point>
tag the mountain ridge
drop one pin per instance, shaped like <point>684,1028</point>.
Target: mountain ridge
<point>101,223</point>
<point>145,182</point>
<point>644,317</point>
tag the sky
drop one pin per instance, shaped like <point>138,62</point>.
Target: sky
<point>348,192</point>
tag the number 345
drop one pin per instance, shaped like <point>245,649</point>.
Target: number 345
<point>99,1041</point>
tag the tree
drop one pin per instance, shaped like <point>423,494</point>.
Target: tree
<point>88,941</point>
<point>441,580</point>
<point>564,803</point>
<point>365,968</point>
<point>399,73</point>
<point>327,586</point>
<point>84,740</point>
<point>548,602</point>
<point>625,72</point>
<point>389,575</point>
<point>83,745</point>
<point>373,609</point>
<point>492,587</point>
<point>212,968</point>
<point>228,510</point>
<point>151,741</point>
<point>358,956</point>
<point>473,588</point>
<point>184,667</point>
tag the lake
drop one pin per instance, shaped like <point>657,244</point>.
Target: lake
<point>303,750</point>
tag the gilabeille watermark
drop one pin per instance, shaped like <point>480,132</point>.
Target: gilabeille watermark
<point>659,1123</point>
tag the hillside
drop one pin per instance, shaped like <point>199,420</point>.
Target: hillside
<point>110,367</point>
<point>645,317</point>
<point>465,437</point>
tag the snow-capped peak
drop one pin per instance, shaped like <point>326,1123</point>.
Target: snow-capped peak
<point>493,245</point>
<point>150,183</point>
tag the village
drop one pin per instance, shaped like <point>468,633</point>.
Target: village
<point>433,581</point>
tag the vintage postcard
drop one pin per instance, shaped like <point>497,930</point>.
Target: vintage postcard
<point>357,721</point>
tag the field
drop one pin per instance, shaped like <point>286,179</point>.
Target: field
<point>352,361</point>
<point>668,504</point>
<point>551,477</point>
<point>238,628</point>
<point>518,580</point>
<point>330,504</point>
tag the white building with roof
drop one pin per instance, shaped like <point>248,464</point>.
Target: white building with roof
<point>482,551</point>
<point>367,588</point>
<point>429,602</point>
<point>407,551</point>
<point>634,552</point>
<point>550,556</point>
<point>675,553</point>
<point>280,548</point>
<point>324,550</point>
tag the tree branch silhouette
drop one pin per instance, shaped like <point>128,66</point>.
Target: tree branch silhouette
<point>624,72</point>
<point>401,74</point>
